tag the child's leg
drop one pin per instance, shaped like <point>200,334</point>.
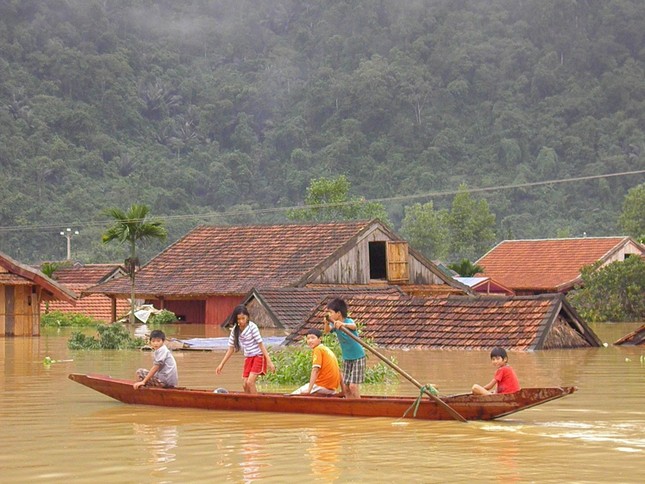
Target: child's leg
<point>249,383</point>
<point>480,390</point>
<point>141,373</point>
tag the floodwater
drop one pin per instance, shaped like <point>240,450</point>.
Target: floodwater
<point>58,431</point>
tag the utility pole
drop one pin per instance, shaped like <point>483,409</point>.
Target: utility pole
<point>68,234</point>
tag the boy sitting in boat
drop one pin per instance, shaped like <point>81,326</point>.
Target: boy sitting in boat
<point>505,378</point>
<point>164,367</point>
<point>325,372</point>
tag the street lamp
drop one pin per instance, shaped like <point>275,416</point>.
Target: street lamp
<point>68,234</point>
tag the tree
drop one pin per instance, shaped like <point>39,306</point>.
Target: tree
<point>471,226</point>
<point>613,292</point>
<point>132,227</point>
<point>426,229</point>
<point>465,268</point>
<point>632,219</point>
<point>328,199</point>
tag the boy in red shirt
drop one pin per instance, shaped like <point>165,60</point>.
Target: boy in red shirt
<point>505,377</point>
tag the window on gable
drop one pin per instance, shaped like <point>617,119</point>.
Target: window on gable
<point>389,261</point>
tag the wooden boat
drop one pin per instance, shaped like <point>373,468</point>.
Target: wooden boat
<point>470,406</point>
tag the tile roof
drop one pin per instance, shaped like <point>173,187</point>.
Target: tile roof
<point>636,337</point>
<point>86,275</point>
<point>232,260</point>
<point>291,306</point>
<point>547,265</point>
<point>456,322</point>
<point>96,306</point>
<point>22,272</point>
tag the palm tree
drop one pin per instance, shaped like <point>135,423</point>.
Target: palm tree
<point>465,268</point>
<point>131,227</point>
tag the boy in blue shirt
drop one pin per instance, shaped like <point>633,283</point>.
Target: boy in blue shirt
<point>354,361</point>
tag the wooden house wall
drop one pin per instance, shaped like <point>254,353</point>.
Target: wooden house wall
<point>218,308</point>
<point>19,311</point>
<point>627,249</point>
<point>354,266</point>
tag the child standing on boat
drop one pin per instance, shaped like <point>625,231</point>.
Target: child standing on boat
<point>505,378</point>
<point>164,367</point>
<point>325,373</point>
<point>246,335</point>
<point>354,360</point>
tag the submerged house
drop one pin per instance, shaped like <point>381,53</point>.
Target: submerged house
<point>520,323</point>
<point>635,338</point>
<point>552,265</point>
<point>204,275</point>
<point>289,307</point>
<point>79,277</point>
<point>22,289</point>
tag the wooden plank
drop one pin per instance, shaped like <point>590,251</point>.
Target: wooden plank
<point>398,268</point>
<point>3,311</point>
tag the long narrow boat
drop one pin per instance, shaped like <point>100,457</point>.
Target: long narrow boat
<point>472,407</point>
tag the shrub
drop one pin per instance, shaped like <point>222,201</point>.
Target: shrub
<point>60,319</point>
<point>110,337</point>
<point>293,365</point>
<point>164,317</point>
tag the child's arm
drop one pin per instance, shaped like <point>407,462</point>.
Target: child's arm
<point>228,354</point>
<point>151,373</point>
<point>270,365</point>
<point>489,386</point>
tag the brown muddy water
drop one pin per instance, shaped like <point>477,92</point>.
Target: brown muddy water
<point>55,430</point>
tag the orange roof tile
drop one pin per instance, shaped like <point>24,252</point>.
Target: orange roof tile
<point>519,323</point>
<point>291,306</point>
<point>232,260</point>
<point>547,265</point>
<point>86,275</point>
<point>96,306</point>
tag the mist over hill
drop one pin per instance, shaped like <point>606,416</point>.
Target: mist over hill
<point>223,111</point>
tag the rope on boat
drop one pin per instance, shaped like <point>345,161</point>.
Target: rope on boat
<point>425,388</point>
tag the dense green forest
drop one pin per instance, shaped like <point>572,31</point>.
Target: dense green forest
<point>223,111</point>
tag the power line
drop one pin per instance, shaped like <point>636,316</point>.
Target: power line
<point>259,211</point>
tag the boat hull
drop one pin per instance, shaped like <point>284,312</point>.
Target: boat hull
<point>471,407</point>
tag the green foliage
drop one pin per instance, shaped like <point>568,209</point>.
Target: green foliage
<point>471,226</point>
<point>405,98</point>
<point>613,292</point>
<point>164,317</point>
<point>329,199</point>
<point>426,229</point>
<point>632,218</point>
<point>293,365</point>
<point>110,337</point>
<point>465,268</point>
<point>59,319</point>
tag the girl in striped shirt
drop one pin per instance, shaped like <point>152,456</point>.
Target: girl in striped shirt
<point>246,335</point>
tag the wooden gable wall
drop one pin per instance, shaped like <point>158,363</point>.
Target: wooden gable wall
<point>353,266</point>
<point>19,310</point>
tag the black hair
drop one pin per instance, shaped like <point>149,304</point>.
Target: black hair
<point>316,332</point>
<point>339,305</point>
<point>157,334</point>
<point>241,309</point>
<point>501,352</point>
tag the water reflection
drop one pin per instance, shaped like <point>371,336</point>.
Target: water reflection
<point>59,431</point>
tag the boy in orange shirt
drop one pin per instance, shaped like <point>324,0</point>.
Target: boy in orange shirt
<point>505,378</point>
<point>325,372</point>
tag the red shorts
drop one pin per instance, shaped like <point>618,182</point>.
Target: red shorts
<point>254,364</point>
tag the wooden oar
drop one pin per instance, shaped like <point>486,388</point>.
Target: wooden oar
<point>456,415</point>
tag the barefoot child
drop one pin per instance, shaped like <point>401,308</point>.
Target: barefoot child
<point>354,360</point>
<point>246,335</point>
<point>325,373</point>
<point>164,367</point>
<point>505,377</point>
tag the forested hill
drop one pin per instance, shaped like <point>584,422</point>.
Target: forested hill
<point>207,106</point>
